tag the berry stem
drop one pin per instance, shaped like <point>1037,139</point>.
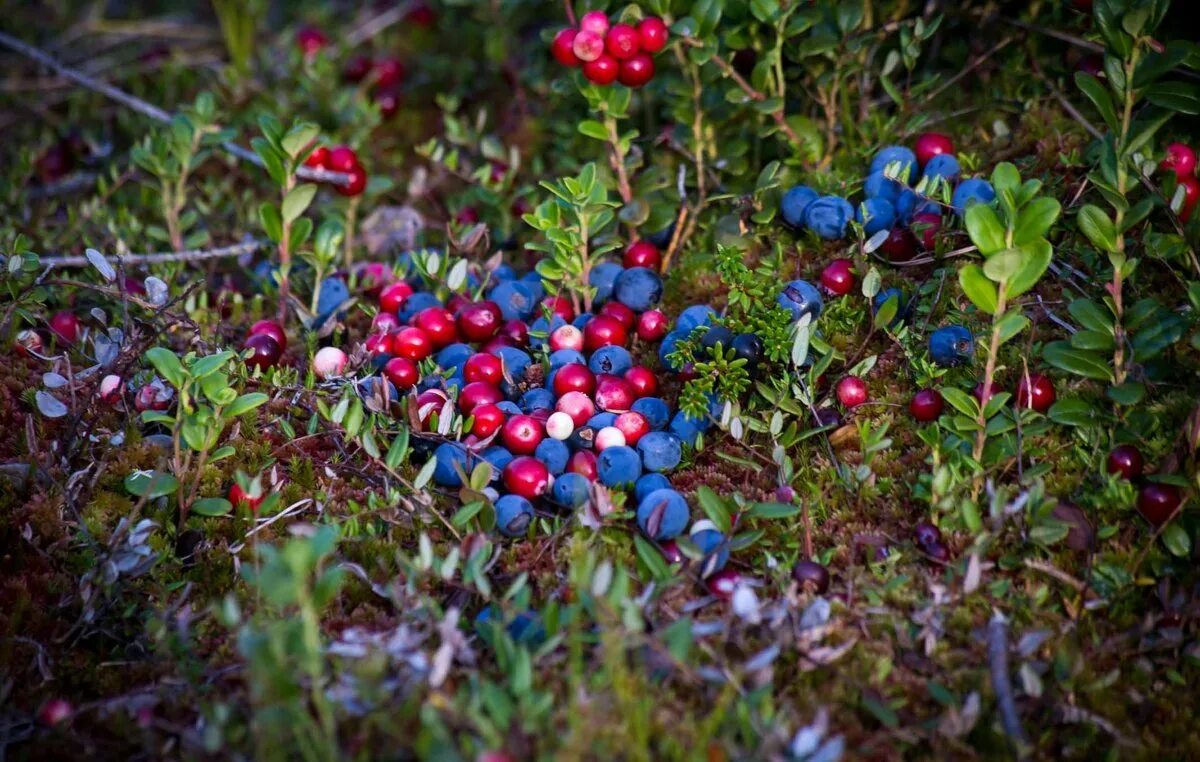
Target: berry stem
<point>988,372</point>
<point>617,159</point>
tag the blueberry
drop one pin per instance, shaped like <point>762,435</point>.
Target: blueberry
<point>972,191</point>
<point>582,319</point>
<point>370,387</point>
<point>561,357</point>
<point>795,203</point>
<point>648,483</point>
<point>405,265</point>
<point>951,345</point>
<point>333,292</point>
<point>906,205</point>
<point>667,510</point>
<point>554,454</point>
<point>876,214</point>
<point>540,330</point>
<point>380,360</point>
<point>613,360</point>
<point>901,305</point>
<point>432,381</point>
<point>879,185</point>
<point>533,280</point>
<point>515,299</point>
<point>828,217</point>
<point>525,628</point>
<point>943,165</point>
<point>509,407</point>
<point>748,347</point>
<point>619,467</point>
<point>800,297</point>
<point>602,277</point>
<point>667,348</point>
<point>514,361</point>
<point>693,317</point>
<point>711,544</point>
<point>896,154</point>
<point>451,457</point>
<point>662,238</point>
<point>600,420</point>
<point>717,334</point>
<point>638,288</point>
<point>537,399</point>
<point>419,301</point>
<point>570,490</point>
<point>582,438</point>
<point>688,429</point>
<point>654,410</point>
<point>497,457</point>
<point>453,356</point>
<point>453,382</point>
<point>513,515</point>
<point>660,451</point>
<point>503,272</point>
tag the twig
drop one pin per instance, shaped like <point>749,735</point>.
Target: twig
<point>152,111</point>
<point>377,24</point>
<point>997,647</point>
<point>189,255</point>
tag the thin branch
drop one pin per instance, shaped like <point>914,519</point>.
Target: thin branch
<point>189,255</point>
<point>373,26</point>
<point>997,648</point>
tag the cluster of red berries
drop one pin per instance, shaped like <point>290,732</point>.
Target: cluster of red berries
<point>340,159</point>
<point>1181,159</point>
<point>384,75</point>
<point>611,52</point>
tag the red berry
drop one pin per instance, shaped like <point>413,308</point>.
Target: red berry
<point>980,397</point>
<point>483,367</point>
<point>1180,159</point>
<point>357,69</point>
<point>652,325</point>
<point>272,329</point>
<point>480,321</point>
<point>384,322</point>
<point>402,372</point>
<point>431,402</point>
<point>619,312</point>
<point>642,380</point>
<point>521,434</point>
<point>723,583</point>
<point>603,331</point>
<point>110,389</point>
<point>588,46</point>
<point>838,277</point>
<point>573,377</point>
<point>378,344</point>
<point>393,296</point>
<point>636,71</point>
<point>65,326</point>
<point>318,158</point>
<point>151,397</point>
<point>653,33</point>
<point>926,405</point>
<point>438,324</point>
<point>925,227</point>
<point>266,351</point>
<point>341,159</point>
<point>595,22</point>
<point>642,254</point>
<point>516,332</point>
<point>671,552</point>
<point>477,393</point>
<point>561,306</point>
<point>602,71</point>
<point>584,464</point>
<point>930,144</point>
<point>1126,460</point>
<point>1191,194</point>
<point>614,394</point>
<point>55,712</point>
<point>357,183</point>
<point>1035,391</point>
<point>527,477</point>
<point>388,72</point>
<point>239,497</point>
<point>577,405</point>
<point>562,48</point>
<point>566,337</point>
<point>622,41</point>
<point>54,163</point>
<point>488,420</point>
<point>1157,502</point>
<point>412,343</point>
<point>388,100</point>
<point>457,303</point>
<point>900,245</point>
<point>633,425</point>
<point>468,215</point>
<point>329,362</point>
<point>311,40</point>
<point>851,391</point>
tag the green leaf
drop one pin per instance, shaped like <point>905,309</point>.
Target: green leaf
<point>714,507</point>
<point>1072,412</point>
<point>1176,540</point>
<point>977,287</point>
<point>1006,179</point>
<point>1096,341</point>
<point>212,506</point>
<point>300,137</point>
<point>167,364</point>
<point>1003,265</point>
<point>425,474</point>
<point>651,558</point>
<point>1127,394</point>
<point>151,484</point>
<point>272,223</point>
<point>1091,315</point>
<point>221,453</point>
<point>1098,95</point>
<point>1035,220</point>
<point>297,200</point>
<point>985,229</point>
<point>1035,260</point>
<point>1063,356</point>
<point>245,404</point>
<point>961,401</point>
<point>593,129</point>
<point>1176,96</point>
<point>1097,226</point>
<point>773,510</point>
<point>1011,324</point>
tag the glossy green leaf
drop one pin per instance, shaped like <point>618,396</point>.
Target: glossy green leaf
<point>977,287</point>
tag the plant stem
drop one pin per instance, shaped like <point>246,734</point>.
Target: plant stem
<point>988,372</point>
<point>617,158</point>
<point>285,256</point>
<point>348,241</point>
<point>1122,180</point>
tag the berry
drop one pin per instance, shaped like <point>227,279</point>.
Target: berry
<point>412,343</point>
<point>609,436</point>
<point>451,462</point>
<point>562,47</point>
<point>402,372</point>
<point>329,362</point>
<point>795,203</point>
<point>613,394</point>
<point>622,314</point>
<point>724,583</point>
<point>388,72</point>
<point>980,397</point>
<point>265,351</point>
<point>622,41</point>
<point>488,420</point>
<point>527,477</point>
<point>1126,460</point>
<point>438,324</point>
<point>516,332</point>
<point>900,245</point>
<point>588,47</point>
<point>937,553</point>
<point>1180,159</point>
<point>633,426</point>
<point>926,405</point>
<point>559,306</point>
<point>603,331</point>
<point>619,466</point>
<point>647,483</point>
<point>811,576</point>
<point>642,381</point>
<point>972,191</point>
<point>595,22</point>
<point>152,397</point>
<point>478,393</point>
<point>341,159</point>
<point>578,406</point>
<point>583,462</point>
<point>393,296</point>
<point>430,402</point>
<point>357,69</point>
<point>926,534</point>
<point>601,71</point>
<point>311,40</point>
<point>660,451</point>
<point>662,514</point>
<point>653,33</point>
<point>574,378</point>
<point>560,425</point>
<point>1035,391</point>
<point>483,367</point>
<point>318,159</point>
<point>357,183</point>
<point>251,500</point>
<point>828,217</point>
<point>480,321</point>
<point>944,166</point>
<point>513,517</point>
<point>838,277</point>
<point>1191,195</point>
<point>521,434</point>
<point>65,326</point>
<point>875,214</point>
<point>1157,502</point>
<point>896,155</point>
<point>951,345</point>
<point>636,71</point>
<point>851,392</point>
<point>388,100</point>
<point>800,298</point>
<point>55,712</point>
<point>29,342</point>
<point>652,325</point>
<point>566,337</point>
<point>638,288</point>
<point>930,144</point>
<point>925,226</point>
<point>110,389</point>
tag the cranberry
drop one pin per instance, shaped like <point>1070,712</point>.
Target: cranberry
<point>483,367</point>
<point>357,183</point>
<point>723,583</point>
<point>1035,391</point>
<point>577,405</point>
<point>811,576</point>
<point>652,325</point>
<point>412,343</point>
<point>29,342</point>
<point>388,99</point>
<point>621,42</point>
<point>562,48</point>
<point>467,216</point>
<point>479,322</point>
<point>430,402</point>
<point>1093,65</point>
<point>925,225</point>
<point>926,405</point>
<point>1191,194</point>
<point>851,391</point>
<point>653,33</point>
<point>372,277</point>
<point>613,394</point>
<point>583,463</point>
<point>110,389</point>
<point>357,69</point>
<point>566,337</point>
<point>341,159</point>
<point>671,552</point>
<point>642,254</point>
<point>561,306</point>
<point>438,324</point>
<point>521,434</point>
<point>477,393</point>
<point>642,381</point>
<point>239,497</point>
<point>65,326</point>
<point>633,425</point>
<point>930,144</point>
<point>151,397</point>
<point>388,72</point>
<point>318,159</point>
<point>926,534</point>
<point>980,397</point>
<point>266,351</point>
<point>516,332</point>
<point>393,296</point>
<point>311,40</point>
<point>560,426</point>
<point>603,331</point>
<point>402,372</point>
<point>384,322</point>
<point>55,712</point>
<point>900,245</point>
<point>587,46</point>
<point>1126,460</point>
<point>272,329</point>
<point>574,377</point>
<point>595,22</point>
<point>329,362</point>
<point>1180,159</point>
<point>838,277</point>
<point>609,436</point>
<point>527,477</point>
<point>602,71</point>
<point>636,71</point>
<point>1157,502</point>
<point>378,344</point>
<point>457,303</point>
<point>622,314</point>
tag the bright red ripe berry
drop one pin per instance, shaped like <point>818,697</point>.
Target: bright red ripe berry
<point>1191,194</point>
<point>926,405</point>
<point>412,343</point>
<point>1157,502</point>
<point>393,296</point>
<point>251,500</point>
<point>577,405</point>
<point>979,396</point>
<point>619,312</point>
<point>652,325</point>
<point>595,22</point>
<point>522,434</point>
<point>838,277</point>
<point>561,306</point>
<point>430,402</point>
<point>438,324</point>
<point>588,46</point>
<point>480,321</point>
<point>483,367</point>
<point>311,40</point>
<point>65,326</point>
<point>477,393</point>
<point>574,377</point>
<point>457,303</point>
<point>527,477</point>
<point>900,245</point>
<point>1180,159</point>
<point>622,41</point>
<point>266,351</point>
<point>925,227</point>
<point>272,329</point>
<point>602,71</point>
<point>851,391</point>
<point>488,420</point>
<point>402,372</point>
<point>341,159</point>
<point>388,72</point>
<point>584,464</point>
<point>1126,460</point>
<point>378,344</point>
<point>633,425</point>
<point>357,69</point>
<point>642,380</point>
<point>357,183</point>
<point>614,394</point>
<point>516,332</point>
<point>653,33</point>
<point>1035,391</point>
<point>603,331</point>
<point>642,254</point>
<point>318,158</point>
<point>930,144</point>
<point>637,70</point>
<point>562,47</point>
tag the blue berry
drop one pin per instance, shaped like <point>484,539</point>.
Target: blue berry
<point>370,387</point>
<point>582,319</point>
<point>667,509</point>
<point>533,280</point>
<point>333,293</point>
<point>570,490</point>
<point>795,203</point>
<point>509,407</point>
<point>503,272</point>
<point>828,217</point>
<point>638,288</point>
<point>901,306</point>
<point>879,185</point>
<point>514,361</point>
<point>513,515</point>
<point>554,454</point>
<point>618,467</point>
<point>951,345</point>
<point>688,429</point>
<point>540,330</point>
<point>419,301</point>
<point>693,317</point>
<point>800,298</point>
<point>943,165</point>
<point>647,483</point>
<point>613,360</point>
<point>600,420</point>
<point>667,348</point>
<point>654,410</point>
<point>972,191</point>
<point>602,277</point>
<point>876,214</point>
<point>497,457</point>
<point>515,299</point>
<point>660,451</point>
<point>450,458</point>
<point>537,399</point>
<point>711,544</point>
<point>453,356</point>
<point>896,154</point>
<point>561,357</point>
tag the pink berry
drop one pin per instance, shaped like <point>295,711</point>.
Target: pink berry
<point>851,391</point>
<point>566,337</point>
<point>622,41</point>
<point>609,436</point>
<point>110,389</point>
<point>1180,159</point>
<point>652,325</point>
<point>562,48</point>
<point>559,425</point>
<point>578,406</point>
<point>329,362</point>
<point>588,46</point>
<point>595,22</point>
<point>633,425</point>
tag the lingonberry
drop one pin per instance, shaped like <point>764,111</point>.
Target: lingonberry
<point>1157,502</point>
<point>981,397</point>
<point>265,351</point>
<point>838,277</point>
<point>477,393</point>
<point>566,337</point>
<point>930,144</point>
<point>851,391</point>
<point>652,325</point>
<point>1180,159</point>
<point>613,394</point>
<point>583,463</point>
<point>925,226</point>
<point>430,403</point>
<point>384,322</point>
<point>329,362</point>
<point>633,426</point>
<point>1126,460</point>
<point>811,576</point>
<point>388,99</point>
<point>724,583</point>
<point>642,380</point>
<point>609,436</point>
<point>517,332</point>
<point>595,22</point>
<point>587,46</point>
<point>653,33</point>
<point>393,296</point>
<point>603,331</point>
<point>1035,391</point>
<point>561,306</point>
<point>488,420</point>
<point>642,254</point>
<point>29,342</point>
<point>622,41</point>
<point>483,367</point>
<point>562,47</point>
<point>926,405</point>
<point>251,499</point>
<point>356,70</point>
<point>527,477</point>
<point>55,712</point>
<point>310,40</point>
<point>402,372</point>
<point>356,184</point>
<point>341,159</point>
<point>1191,195</point>
<point>636,71</point>
<point>602,71</point>
<point>388,72</point>
<point>438,324</point>
<point>65,326</point>
<point>521,434</point>
<point>578,405</point>
<point>412,343</point>
<point>622,314</point>
<point>318,159</point>
<point>574,377</point>
<point>900,245</point>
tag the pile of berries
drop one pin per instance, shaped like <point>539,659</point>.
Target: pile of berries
<point>1181,159</point>
<point>611,52</point>
<point>340,159</point>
